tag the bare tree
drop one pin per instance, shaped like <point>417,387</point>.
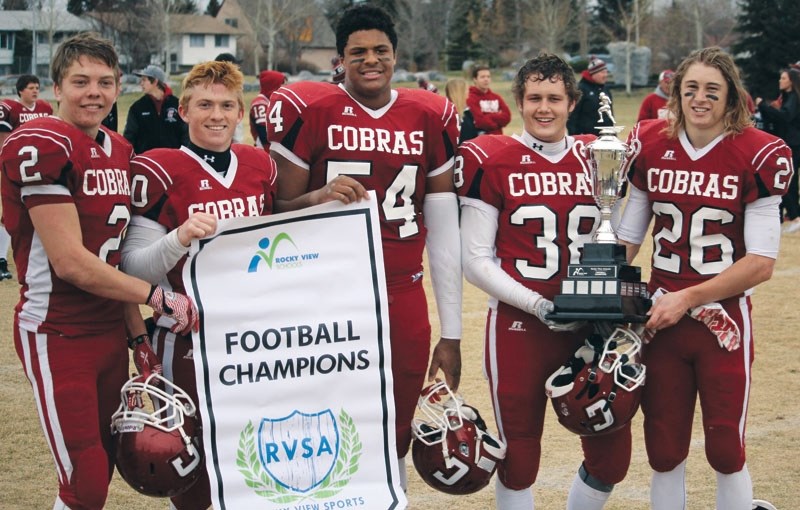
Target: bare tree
<point>50,21</point>
<point>712,22</point>
<point>631,19</point>
<point>549,21</point>
<point>276,21</point>
<point>422,27</point>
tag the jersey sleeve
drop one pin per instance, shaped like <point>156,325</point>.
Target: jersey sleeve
<point>286,119</point>
<point>773,169</point>
<point>258,119</point>
<point>636,174</point>
<point>38,161</point>
<point>270,185</point>
<point>472,182</point>
<point>444,135</point>
<point>5,118</point>
<point>149,184</point>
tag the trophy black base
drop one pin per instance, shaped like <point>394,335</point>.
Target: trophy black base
<point>603,287</point>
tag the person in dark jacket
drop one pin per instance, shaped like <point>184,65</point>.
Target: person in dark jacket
<point>584,117</point>
<point>154,120</point>
<point>784,113</point>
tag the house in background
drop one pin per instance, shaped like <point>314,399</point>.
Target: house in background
<point>193,38</point>
<point>197,38</point>
<point>50,28</point>
<point>316,41</point>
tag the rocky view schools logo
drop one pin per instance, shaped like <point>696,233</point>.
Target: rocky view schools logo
<point>299,456</point>
<point>278,262</point>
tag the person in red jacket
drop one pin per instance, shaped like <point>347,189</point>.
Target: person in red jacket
<point>654,105</point>
<point>490,112</point>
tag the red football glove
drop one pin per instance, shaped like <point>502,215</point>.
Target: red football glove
<point>176,306</point>
<point>144,358</point>
<point>720,323</point>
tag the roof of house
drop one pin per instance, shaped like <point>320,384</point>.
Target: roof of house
<point>178,23</point>
<point>15,21</point>
<point>200,24</point>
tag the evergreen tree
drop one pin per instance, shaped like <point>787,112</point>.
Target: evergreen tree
<point>769,42</point>
<point>15,5</point>
<point>459,41</point>
<point>606,24</point>
<point>213,8</point>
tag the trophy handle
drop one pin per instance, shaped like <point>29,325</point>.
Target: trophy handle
<point>581,152</point>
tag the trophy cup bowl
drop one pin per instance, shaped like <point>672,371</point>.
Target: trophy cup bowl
<point>603,287</point>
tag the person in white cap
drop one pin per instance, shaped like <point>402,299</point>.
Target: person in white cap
<point>584,119</point>
<point>153,120</point>
<point>654,105</point>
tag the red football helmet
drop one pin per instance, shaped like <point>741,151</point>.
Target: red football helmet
<point>585,391</point>
<point>158,450</point>
<point>452,450</point>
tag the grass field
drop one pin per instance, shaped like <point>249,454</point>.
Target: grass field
<point>27,477</point>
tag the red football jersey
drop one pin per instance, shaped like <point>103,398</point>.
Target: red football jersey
<point>168,185</point>
<point>48,161</point>
<point>391,151</point>
<point>698,197</point>
<point>258,117</point>
<point>545,205</point>
<point>13,113</point>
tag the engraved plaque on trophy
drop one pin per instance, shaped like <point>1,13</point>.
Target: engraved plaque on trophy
<point>603,286</point>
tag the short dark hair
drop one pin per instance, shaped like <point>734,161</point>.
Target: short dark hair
<point>478,68</point>
<point>545,66</point>
<point>364,17</point>
<point>84,44</point>
<point>24,80</point>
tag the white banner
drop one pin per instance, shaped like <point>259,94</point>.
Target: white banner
<point>293,361</point>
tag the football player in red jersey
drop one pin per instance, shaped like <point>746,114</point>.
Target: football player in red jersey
<point>269,81</point>
<point>178,194</point>
<point>526,210</point>
<point>714,184</point>
<point>333,142</point>
<point>14,113</point>
<point>66,203</point>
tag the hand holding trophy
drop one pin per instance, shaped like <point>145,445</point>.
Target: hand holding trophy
<point>603,287</point>
<point>598,390</point>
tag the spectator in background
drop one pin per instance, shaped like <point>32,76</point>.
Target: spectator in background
<point>784,113</point>
<point>153,120</point>
<point>259,108</point>
<point>13,114</point>
<point>456,91</point>
<point>337,75</point>
<point>654,105</point>
<point>584,118</point>
<point>426,85</point>
<point>238,135</point>
<point>490,112</point>
<point>112,119</point>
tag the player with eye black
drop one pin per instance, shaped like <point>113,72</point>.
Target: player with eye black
<point>712,183</point>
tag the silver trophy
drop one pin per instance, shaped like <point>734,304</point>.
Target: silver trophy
<point>607,159</point>
<point>603,286</point>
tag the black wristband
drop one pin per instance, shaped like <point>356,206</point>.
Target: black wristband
<point>150,296</point>
<point>133,342</point>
